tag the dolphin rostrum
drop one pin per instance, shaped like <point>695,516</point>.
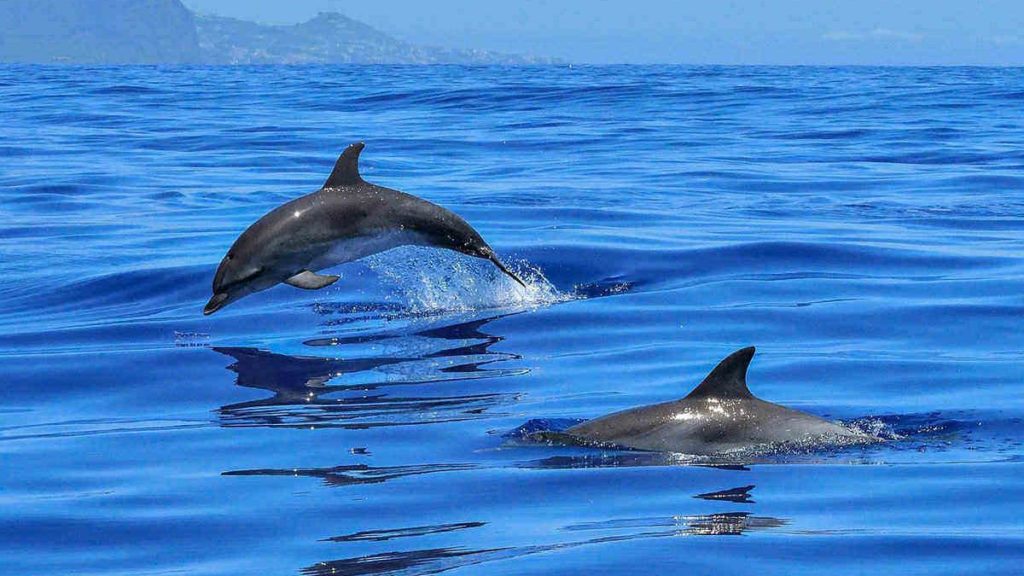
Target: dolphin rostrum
<point>345,220</point>
<point>720,416</point>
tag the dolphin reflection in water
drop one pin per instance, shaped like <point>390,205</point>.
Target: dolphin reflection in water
<point>436,560</point>
<point>322,391</point>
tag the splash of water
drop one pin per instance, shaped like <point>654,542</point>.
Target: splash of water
<point>428,281</point>
<point>878,428</point>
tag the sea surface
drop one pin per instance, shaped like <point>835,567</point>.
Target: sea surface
<point>863,227</point>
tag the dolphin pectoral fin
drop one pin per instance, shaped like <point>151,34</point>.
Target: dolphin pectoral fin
<point>311,280</point>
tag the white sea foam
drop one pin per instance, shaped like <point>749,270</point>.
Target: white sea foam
<point>427,281</point>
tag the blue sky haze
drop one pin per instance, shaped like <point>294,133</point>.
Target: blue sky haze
<point>941,32</point>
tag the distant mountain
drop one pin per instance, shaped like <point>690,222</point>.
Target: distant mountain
<point>166,32</point>
<point>97,31</point>
<point>327,38</point>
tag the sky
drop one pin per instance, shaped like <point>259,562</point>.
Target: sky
<point>870,32</point>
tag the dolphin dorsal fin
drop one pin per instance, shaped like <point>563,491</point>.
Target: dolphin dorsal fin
<point>728,379</point>
<point>346,169</point>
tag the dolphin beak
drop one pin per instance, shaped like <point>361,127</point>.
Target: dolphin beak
<point>216,303</point>
<point>493,258</point>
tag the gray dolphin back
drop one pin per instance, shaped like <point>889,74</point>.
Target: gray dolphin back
<point>720,416</point>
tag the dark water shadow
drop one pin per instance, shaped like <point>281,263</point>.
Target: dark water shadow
<point>428,561</point>
<point>331,391</point>
<point>385,535</point>
<point>740,495</point>
<point>438,560</point>
<point>353,474</point>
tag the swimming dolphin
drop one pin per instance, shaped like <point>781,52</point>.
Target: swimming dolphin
<point>347,219</point>
<point>719,416</point>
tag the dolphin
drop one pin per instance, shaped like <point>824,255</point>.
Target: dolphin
<point>345,220</point>
<point>719,417</point>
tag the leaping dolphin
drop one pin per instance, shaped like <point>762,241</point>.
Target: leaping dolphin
<point>345,220</point>
<point>720,416</point>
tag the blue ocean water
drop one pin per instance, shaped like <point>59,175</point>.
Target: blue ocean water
<point>861,226</point>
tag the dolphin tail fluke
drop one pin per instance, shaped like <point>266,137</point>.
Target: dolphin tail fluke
<point>494,258</point>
